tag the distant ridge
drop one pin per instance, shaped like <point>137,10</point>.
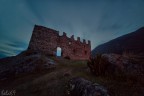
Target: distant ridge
<point>132,42</point>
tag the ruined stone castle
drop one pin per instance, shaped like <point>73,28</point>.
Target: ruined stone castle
<point>47,40</point>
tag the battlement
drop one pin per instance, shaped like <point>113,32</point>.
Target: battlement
<point>72,37</point>
<point>64,34</point>
<point>47,40</point>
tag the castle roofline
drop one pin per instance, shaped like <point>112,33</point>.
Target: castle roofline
<point>39,27</point>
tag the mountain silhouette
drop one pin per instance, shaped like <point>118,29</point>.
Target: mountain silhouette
<point>132,42</point>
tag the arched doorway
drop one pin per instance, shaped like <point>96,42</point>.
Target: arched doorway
<point>59,52</point>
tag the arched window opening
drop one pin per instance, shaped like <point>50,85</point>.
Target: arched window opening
<point>69,43</point>
<point>59,52</point>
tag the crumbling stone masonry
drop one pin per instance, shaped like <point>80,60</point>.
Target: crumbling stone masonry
<point>47,40</point>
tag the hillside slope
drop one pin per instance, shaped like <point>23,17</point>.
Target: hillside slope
<point>132,42</point>
<point>55,82</point>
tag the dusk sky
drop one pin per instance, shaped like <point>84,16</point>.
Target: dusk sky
<point>95,20</point>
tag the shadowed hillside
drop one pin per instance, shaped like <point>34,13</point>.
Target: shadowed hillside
<point>132,42</point>
<point>36,76</point>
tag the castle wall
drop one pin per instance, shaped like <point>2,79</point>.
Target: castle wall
<point>47,40</point>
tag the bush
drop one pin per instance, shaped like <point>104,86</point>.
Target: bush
<point>98,65</point>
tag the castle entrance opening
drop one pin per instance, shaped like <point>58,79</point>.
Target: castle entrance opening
<point>59,52</point>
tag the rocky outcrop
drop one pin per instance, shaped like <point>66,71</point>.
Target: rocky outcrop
<point>25,64</point>
<point>114,64</point>
<point>82,87</point>
<point>130,65</point>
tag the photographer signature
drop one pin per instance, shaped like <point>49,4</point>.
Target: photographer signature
<point>8,92</point>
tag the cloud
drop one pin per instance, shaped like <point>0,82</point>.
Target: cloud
<point>11,48</point>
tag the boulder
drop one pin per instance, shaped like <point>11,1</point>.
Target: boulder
<point>128,65</point>
<point>82,87</point>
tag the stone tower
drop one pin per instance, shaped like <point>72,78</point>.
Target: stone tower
<point>47,40</point>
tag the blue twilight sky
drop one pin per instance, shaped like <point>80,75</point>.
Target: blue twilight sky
<point>95,20</point>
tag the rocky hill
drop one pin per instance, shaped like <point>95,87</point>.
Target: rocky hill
<point>26,62</point>
<point>132,42</point>
<point>36,74</point>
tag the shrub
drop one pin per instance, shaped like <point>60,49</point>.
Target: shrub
<point>98,65</point>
